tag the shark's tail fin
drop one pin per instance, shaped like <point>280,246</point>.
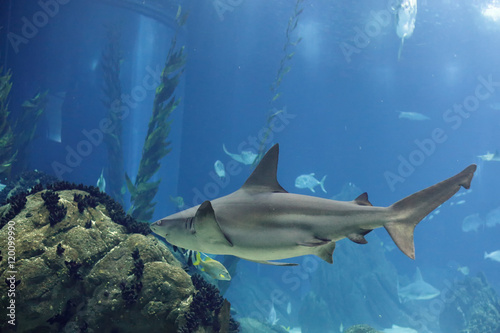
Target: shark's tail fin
<point>409,211</point>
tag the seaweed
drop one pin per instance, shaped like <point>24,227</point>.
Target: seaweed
<point>110,63</point>
<point>85,201</point>
<point>13,152</point>
<point>73,268</point>
<point>25,128</point>
<point>57,211</point>
<point>30,181</point>
<point>130,292</point>
<point>156,145</point>
<point>60,249</point>
<point>7,152</point>
<point>283,69</point>
<point>17,203</point>
<point>114,209</point>
<point>205,308</point>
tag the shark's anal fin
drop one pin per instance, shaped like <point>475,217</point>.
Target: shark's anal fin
<point>206,223</point>
<point>273,263</point>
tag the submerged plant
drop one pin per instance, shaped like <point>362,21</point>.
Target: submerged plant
<point>25,127</point>
<point>110,62</point>
<point>283,69</point>
<point>156,145</point>
<point>7,153</point>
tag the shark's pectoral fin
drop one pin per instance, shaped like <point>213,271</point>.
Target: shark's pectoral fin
<point>206,225</point>
<point>274,263</point>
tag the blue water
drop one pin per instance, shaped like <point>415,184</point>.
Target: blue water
<point>341,116</point>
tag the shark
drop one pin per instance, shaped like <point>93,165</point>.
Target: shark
<point>418,290</point>
<point>262,222</point>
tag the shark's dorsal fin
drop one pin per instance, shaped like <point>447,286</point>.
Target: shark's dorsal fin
<point>362,200</point>
<point>263,178</point>
<point>205,223</point>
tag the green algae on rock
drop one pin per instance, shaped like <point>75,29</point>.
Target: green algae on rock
<point>49,299</point>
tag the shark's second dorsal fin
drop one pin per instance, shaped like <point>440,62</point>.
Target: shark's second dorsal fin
<point>263,178</point>
<point>362,200</point>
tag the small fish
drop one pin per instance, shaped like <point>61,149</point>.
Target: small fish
<point>101,182</point>
<point>289,308</point>
<point>341,328</point>
<point>464,270</point>
<point>461,202</point>
<point>212,267</point>
<point>272,319</point>
<point>406,14</point>
<point>246,157</point>
<point>493,255</point>
<point>412,116</point>
<point>310,182</point>
<point>2,186</point>
<point>178,201</point>
<point>219,169</point>
<point>472,223</point>
<point>490,157</point>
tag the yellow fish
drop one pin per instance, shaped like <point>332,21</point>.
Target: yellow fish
<point>212,267</point>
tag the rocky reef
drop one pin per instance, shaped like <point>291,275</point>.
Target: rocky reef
<point>85,273</point>
<point>473,307</point>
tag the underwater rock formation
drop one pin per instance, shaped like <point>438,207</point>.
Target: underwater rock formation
<point>361,329</point>
<point>76,276</point>
<point>473,307</point>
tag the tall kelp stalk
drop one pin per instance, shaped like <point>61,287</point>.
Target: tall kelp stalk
<point>110,62</point>
<point>7,152</point>
<point>13,157</point>
<point>283,69</point>
<point>156,145</point>
<point>25,128</point>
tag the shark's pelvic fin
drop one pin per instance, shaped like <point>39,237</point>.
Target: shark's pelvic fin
<point>206,223</point>
<point>411,210</point>
<point>358,237</point>
<point>263,178</point>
